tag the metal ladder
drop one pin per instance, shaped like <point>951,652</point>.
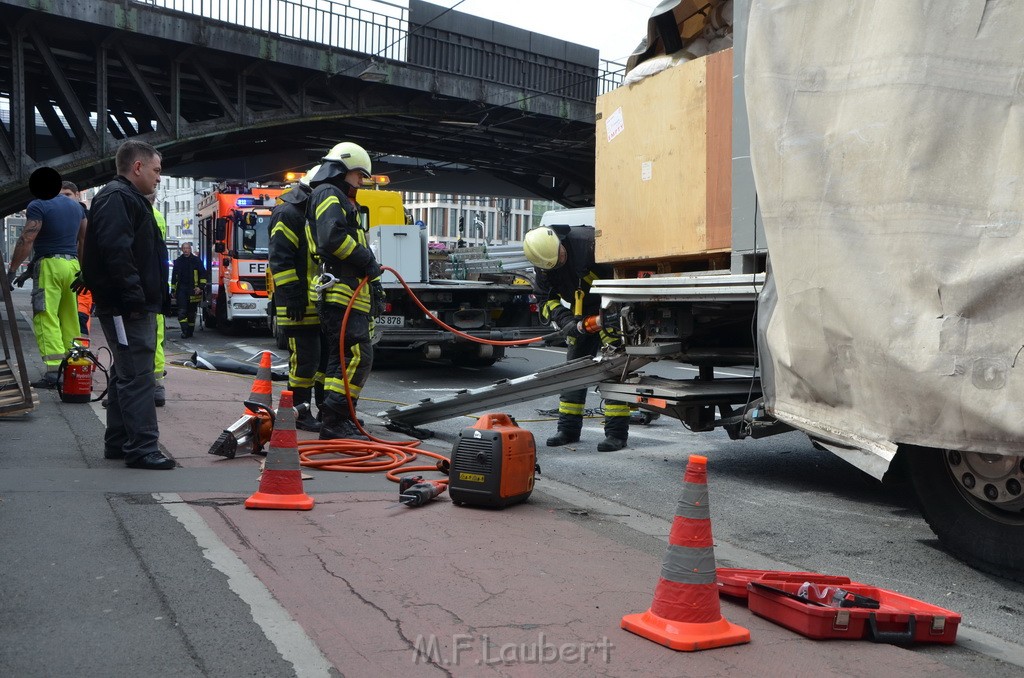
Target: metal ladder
<point>577,373</point>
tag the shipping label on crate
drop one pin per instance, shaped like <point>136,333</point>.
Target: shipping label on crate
<point>614,124</point>
<point>646,170</point>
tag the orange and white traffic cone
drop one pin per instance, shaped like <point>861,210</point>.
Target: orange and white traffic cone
<point>281,481</point>
<point>262,388</point>
<point>685,614</point>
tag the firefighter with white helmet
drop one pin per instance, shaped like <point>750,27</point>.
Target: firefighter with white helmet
<point>339,235</point>
<point>292,269</point>
<point>565,266</point>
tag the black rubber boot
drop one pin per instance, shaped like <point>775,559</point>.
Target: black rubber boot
<point>304,419</point>
<point>611,444</point>
<point>563,438</point>
<point>335,427</point>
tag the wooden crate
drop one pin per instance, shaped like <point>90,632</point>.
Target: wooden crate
<point>664,165</point>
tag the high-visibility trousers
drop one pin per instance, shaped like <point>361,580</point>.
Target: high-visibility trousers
<point>54,308</point>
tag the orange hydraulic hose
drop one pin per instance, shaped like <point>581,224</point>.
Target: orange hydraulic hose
<point>375,454</point>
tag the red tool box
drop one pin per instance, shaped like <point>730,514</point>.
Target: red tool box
<point>732,581</point>
<point>897,619</point>
<point>825,606</point>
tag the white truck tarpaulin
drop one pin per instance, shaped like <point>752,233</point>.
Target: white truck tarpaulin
<point>887,141</point>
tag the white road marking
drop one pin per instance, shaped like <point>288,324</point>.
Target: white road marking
<point>547,350</point>
<point>284,632</point>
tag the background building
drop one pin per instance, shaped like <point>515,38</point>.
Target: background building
<point>484,220</point>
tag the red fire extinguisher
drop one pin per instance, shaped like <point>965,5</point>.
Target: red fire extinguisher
<point>74,376</point>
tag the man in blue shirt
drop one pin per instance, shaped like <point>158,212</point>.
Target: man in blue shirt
<point>55,230</point>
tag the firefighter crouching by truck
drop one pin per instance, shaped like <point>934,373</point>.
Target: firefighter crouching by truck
<point>565,269</point>
<point>291,269</point>
<point>345,259</point>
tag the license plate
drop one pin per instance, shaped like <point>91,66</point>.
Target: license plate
<point>391,320</point>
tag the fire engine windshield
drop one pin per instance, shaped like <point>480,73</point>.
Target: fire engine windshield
<point>255,238</point>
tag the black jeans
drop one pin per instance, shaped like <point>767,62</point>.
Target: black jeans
<point>131,411</point>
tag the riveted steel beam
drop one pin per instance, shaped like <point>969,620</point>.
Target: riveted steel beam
<point>71,108</point>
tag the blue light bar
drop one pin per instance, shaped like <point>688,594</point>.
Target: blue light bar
<point>245,202</point>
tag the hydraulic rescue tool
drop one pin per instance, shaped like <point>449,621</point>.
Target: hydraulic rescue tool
<point>248,434</point>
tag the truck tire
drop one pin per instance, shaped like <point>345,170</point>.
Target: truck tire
<point>975,505</point>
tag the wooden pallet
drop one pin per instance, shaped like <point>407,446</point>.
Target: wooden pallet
<point>718,261</point>
<point>16,396</point>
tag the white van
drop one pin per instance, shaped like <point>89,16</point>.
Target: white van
<point>579,216</point>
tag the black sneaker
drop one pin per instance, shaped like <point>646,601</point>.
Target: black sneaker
<point>563,438</point>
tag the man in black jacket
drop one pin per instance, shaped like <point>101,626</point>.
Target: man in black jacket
<point>125,266</point>
<point>565,266</point>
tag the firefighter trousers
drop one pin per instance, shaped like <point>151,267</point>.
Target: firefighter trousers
<point>571,403</point>
<point>356,363</point>
<point>307,362</point>
<point>188,304</point>
<point>54,308</point>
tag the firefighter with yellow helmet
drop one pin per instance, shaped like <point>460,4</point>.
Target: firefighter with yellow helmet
<point>340,237</point>
<point>292,269</point>
<point>565,266</point>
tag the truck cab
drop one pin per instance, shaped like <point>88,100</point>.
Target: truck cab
<point>233,241</point>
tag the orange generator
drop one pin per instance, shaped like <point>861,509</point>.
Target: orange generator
<point>492,463</point>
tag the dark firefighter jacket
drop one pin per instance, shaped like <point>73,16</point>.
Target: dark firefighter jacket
<point>577,273</point>
<point>188,273</point>
<point>340,244</point>
<point>291,261</point>
<point>124,262</point>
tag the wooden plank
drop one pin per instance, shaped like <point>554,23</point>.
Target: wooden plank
<point>663,176</point>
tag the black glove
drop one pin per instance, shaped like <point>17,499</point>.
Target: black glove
<point>378,300</point>
<point>571,328</point>
<point>295,310</point>
<point>77,285</point>
<point>373,270</point>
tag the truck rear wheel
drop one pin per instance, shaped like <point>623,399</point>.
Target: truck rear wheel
<point>975,505</point>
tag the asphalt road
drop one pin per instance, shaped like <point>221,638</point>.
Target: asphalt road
<point>775,502</point>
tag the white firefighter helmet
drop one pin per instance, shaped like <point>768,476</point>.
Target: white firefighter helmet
<point>541,247</point>
<point>310,173</point>
<point>352,156</point>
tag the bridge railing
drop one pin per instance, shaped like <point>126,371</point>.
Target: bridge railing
<point>344,24</point>
<point>385,31</point>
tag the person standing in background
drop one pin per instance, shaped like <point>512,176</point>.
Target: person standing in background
<point>188,278</point>
<point>55,230</point>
